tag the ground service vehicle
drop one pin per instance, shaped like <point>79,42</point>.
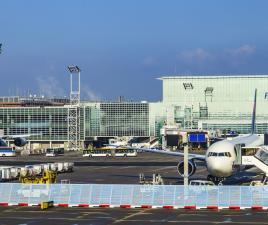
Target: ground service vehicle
<point>108,152</point>
<point>201,182</point>
<point>54,151</point>
<point>47,177</point>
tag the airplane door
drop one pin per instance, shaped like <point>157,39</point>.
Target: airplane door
<point>238,152</point>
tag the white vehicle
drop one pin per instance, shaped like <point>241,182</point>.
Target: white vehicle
<point>220,156</point>
<point>7,151</point>
<point>124,152</point>
<point>108,152</point>
<point>5,173</point>
<point>201,182</point>
<point>54,152</point>
<point>97,153</point>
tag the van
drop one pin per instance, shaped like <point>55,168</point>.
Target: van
<point>201,183</point>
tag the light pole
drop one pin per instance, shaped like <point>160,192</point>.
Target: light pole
<point>74,109</point>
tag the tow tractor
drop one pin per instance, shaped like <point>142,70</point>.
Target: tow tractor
<point>47,177</point>
<point>262,182</point>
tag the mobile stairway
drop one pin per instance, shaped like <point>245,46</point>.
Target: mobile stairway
<point>259,159</point>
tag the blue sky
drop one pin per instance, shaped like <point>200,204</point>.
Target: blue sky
<point>122,46</point>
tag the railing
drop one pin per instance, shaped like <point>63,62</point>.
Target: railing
<point>173,196</point>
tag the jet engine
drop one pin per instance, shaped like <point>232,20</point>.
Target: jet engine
<point>191,168</point>
<point>20,141</point>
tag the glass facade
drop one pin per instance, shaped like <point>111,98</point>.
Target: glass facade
<point>124,119</point>
<point>96,119</point>
<point>217,102</point>
<point>117,119</point>
<point>50,122</point>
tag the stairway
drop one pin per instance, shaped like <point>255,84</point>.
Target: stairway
<point>260,160</point>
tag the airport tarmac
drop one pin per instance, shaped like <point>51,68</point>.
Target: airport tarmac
<point>126,174</point>
<point>112,170</point>
<point>77,157</point>
<point>120,171</point>
<point>99,216</point>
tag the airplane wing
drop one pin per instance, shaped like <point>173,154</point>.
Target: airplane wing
<point>18,136</point>
<point>190,155</point>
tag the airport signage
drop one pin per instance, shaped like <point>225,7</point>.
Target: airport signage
<point>188,86</point>
<point>198,137</point>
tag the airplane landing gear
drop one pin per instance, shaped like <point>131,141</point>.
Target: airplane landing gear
<point>215,180</point>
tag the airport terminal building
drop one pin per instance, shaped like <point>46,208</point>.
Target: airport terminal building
<point>197,102</point>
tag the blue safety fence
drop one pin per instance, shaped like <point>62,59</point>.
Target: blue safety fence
<point>176,196</point>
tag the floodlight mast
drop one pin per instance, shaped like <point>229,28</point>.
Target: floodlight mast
<point>74,110</point>
<point>74,93</point>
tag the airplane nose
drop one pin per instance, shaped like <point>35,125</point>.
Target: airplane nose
<point>219,167</point>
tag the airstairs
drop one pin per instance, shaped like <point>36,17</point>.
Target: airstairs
<point>259,159</point>
<point>154,142</point>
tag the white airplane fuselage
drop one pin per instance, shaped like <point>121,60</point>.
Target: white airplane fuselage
<point>221,155</point>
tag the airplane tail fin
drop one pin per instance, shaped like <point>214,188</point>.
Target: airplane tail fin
<point>253,123</point>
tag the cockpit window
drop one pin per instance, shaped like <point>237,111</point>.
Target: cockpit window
<point>220,154</point>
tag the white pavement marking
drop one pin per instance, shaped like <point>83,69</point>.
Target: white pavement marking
<point>131,215</point>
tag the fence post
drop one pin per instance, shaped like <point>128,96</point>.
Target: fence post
<point>152,200</point>
<point>90,193</point>
<point>240,197</point>
<point>69,191</point>
<point>262,197</point>
<point>132,194</point>
<point>111,194</point>
<point>163,198</point>
<point>30,196</point>
<point>206,195</point>
<point>81,187</point>
<point>9,197</point>
<point>229,195</point>
<point>121,193</point>
<point>218,196</point>
<point>174,195</point>
<point>251,192</point>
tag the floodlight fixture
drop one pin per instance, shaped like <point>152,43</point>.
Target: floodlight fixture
<point>209,89</point>
<point>74,69</point>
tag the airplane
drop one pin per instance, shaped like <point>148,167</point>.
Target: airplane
<point>19,140</point>
<point>220,156</point>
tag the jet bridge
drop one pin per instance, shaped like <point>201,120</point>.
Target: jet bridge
<point>254,156</point>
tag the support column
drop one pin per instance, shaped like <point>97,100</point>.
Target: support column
<point>185,158</point>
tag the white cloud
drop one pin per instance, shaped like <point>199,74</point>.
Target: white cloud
<point>243,50</point>
<point>49,86</point>
<point>88,94</point>
<point>197,55</point>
